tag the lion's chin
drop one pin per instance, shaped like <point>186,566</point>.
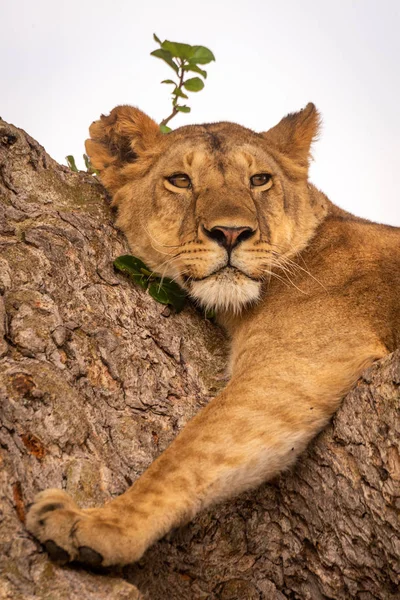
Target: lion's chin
<point>227,290</point>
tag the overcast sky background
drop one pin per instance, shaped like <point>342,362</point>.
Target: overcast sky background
<point>65,63</point>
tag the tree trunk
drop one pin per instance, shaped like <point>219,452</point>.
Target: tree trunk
<point>96,379</point>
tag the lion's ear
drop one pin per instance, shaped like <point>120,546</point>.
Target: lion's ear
<point>294,135</point>
<point>123,137</point>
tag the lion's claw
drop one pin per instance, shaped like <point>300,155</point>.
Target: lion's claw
<point>89,557</point>
<point>56,553</point>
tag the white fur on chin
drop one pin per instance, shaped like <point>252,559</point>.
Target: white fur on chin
<point>225,292</point>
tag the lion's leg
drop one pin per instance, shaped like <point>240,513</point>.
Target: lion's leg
<point>255,428</point>
<point>239,440</point>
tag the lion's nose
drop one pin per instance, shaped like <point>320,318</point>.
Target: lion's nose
<point>229,237</point>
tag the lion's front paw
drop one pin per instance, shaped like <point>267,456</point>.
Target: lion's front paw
<point>68,533</point>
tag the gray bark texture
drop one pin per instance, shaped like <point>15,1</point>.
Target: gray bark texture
<point>96,379</point>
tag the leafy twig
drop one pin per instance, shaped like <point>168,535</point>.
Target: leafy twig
<point>182,59</point>
<point>89,167</point>
<point>163,290</point>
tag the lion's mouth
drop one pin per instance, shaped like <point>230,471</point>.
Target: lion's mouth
<point>227,273</point>
<point>226,289</point>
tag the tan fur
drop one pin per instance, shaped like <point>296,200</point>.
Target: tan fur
<point>310,299</point>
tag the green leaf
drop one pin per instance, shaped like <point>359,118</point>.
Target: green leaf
<point>166,57</point>
<point>177,92</point>
<point>164,291</point>
<point>134,268</point>
<point>89,167</point>
<point>165,129</point>
<point>195,69</point>
<point>157,292</point>
<point>168,292</point>
<point>141,280</point>
<point>177,50</point>
<point>184,109</point>
<point>156,39</point>
<point>129,264</point>
<point>168,81</point>
<point>201,56</point>
<point>71,163</point>
<point>194,84</point>
<point>177,296</point>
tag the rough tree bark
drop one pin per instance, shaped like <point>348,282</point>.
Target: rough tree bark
<point>96,379</point>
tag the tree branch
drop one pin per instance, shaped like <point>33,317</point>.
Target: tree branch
<point>96,380</point>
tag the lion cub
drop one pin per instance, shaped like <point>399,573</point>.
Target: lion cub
<point>309,294</point>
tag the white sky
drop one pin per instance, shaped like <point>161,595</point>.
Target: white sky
<point>65,63</point>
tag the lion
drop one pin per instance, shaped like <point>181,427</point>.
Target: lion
<point>308,293</point>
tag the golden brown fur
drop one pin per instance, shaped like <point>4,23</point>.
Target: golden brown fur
<point>310,297</point>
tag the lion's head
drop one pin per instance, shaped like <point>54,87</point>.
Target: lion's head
<point>216,207</point>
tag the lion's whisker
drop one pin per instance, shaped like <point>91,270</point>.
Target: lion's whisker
<point>156,241</point>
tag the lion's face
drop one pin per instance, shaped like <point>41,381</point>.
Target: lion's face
<point>218,208</point>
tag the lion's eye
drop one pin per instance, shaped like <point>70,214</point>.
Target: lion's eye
<point>180,180</point>
<point>260,179</point>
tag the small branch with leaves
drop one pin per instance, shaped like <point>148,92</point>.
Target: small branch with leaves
<point>162,289</point>
<point>183,60</point>
<point>89,167</point>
